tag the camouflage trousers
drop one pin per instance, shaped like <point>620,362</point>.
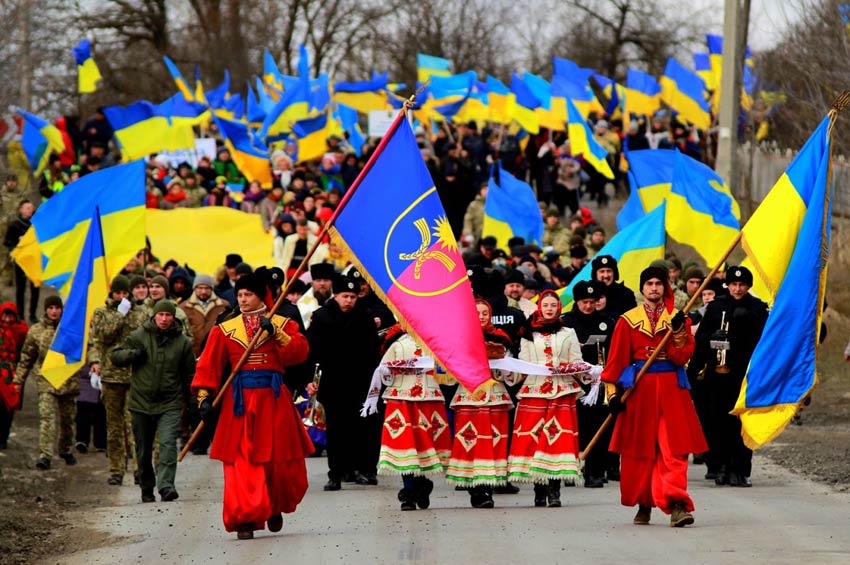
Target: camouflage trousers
<point>119,427</point>
<point>55,410</point>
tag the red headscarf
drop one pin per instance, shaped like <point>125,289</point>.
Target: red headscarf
<point>491,332</point>
<point>536,323</point>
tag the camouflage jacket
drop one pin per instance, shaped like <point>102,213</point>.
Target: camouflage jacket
<point>35,349</point>
<point>180,315</point>
<point>108,329</point>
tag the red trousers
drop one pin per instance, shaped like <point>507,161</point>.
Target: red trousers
<point>254,492</point>
<point>660,482</point>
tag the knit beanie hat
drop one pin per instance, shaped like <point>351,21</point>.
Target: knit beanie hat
<point>165,306</point>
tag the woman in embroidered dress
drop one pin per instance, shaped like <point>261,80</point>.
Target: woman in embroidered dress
<point>480,450</point>
<point>416,440</point>
<point>544,449</point>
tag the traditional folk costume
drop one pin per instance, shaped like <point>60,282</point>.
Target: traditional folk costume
<point>480,451</point>
<point>545,449</point>
<point>658,427</point>
<point>416,440</point>
<point>260,438</point>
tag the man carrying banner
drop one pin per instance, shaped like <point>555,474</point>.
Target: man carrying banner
<point>259,438</point>
<point>658,427</point>
<point>725,341</point>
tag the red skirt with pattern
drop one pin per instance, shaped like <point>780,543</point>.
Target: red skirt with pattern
<point>415,439</point>
<point>545,441</point>
<point>480,450</point>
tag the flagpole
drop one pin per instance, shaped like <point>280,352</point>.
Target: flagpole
<point>661,345</point>
<point>402,115</point>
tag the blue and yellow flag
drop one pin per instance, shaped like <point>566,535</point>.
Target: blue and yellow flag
<point>363,96</point>
<point>634,247</point>
<point>702,66</point>
<point>793,262</point>
<point>293,105</point>
<point>312,135</point>
<point>583,143</point>
<point>642,93</point>
<point>525,105</point>
<point>511,210</point>
<point>701,210</point>
<point>249,154</point>
<point>271,73</point>
<point>684,91</point>
<point>409,256</point>
<point>181,83</point>
<point>429,65</point>
<point>39,139</point>
<point>500,101</point>
<point>217,97</point>
<point>348,120</point>
<point>143,128</point>
<point>87,72</point>
<point>89,289</point>
<point>50,250</point>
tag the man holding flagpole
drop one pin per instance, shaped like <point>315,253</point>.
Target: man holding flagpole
<point>658,428</point>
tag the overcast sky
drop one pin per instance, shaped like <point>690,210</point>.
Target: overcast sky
<point>768,19</point>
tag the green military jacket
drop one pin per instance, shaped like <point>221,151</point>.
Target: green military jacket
<point>161,378</point>
<point>180,315</point>
<point>108,329</point>
<point>33,353</point>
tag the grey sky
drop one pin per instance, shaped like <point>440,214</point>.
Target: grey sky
<point>768,19</point>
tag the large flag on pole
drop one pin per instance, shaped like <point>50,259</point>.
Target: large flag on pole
<point>89,288</point>
<point>787,243</point>
<point>87,72</point>
<point>407,252</point>
<point>511,210</point>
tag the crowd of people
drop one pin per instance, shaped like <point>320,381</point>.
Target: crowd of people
<point>167,339</point>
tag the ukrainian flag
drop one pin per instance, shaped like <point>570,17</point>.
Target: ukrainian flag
<point>89,289</point>
<point>500,101</point>
<point>181,83</point>
<point>87,72</point>
<point>684,91</point>
<point>511,210</point>
<point>250,155</point>
<point>702,66</point>
<point>217,97</point>
<point>583,143</point>
<point>643,93</point>
<point>429,66</point>
<point>50,250</point>
<point>39,139</point>
<point>294,105</point>
<point>254,111</point>
<point>348,120</point>
<point>571,81</point>
<point>143,128</point>
<point>552,112</point>
<point>701,210</point>
<point>271,74</point>
<point>634,247</point>
<point>787,242</point>
<point>525,105</point>
<point>408,254</point>
<point>363,96</point>
<point>312,135</point>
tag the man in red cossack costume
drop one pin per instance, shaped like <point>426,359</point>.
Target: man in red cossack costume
<point>260,438</point>
<point>658,427</point>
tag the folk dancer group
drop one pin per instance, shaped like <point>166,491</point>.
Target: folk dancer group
<point>262,443</point>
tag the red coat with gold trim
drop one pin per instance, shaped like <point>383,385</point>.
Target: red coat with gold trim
<point>657,397</point>
<point>270,428</point>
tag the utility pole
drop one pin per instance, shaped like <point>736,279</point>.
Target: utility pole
<point>735,24</point>
<point>26,55</point>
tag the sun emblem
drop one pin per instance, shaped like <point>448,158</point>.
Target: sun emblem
<point>446,239</point>
<point>443,233</point>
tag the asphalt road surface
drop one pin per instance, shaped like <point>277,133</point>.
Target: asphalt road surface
<point>782,519</point>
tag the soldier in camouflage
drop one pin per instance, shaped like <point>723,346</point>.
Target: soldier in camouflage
<point>110,325</point>
<point>10,197</point>
<point>53,403</point>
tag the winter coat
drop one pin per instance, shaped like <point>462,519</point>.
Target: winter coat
<point>108,329</point>
<point>35,350</point>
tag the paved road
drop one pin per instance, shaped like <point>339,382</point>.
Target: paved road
<point>783,519</point>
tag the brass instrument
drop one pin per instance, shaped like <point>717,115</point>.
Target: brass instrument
<point>722,346</point>
<point>309,419</point>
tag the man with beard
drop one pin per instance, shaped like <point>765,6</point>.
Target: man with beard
<point>514,287</point>
<point>619,298</point>
<point>746,315</point>
<point>344,342</point>
<point>319,293</point>
<point>587,321</point>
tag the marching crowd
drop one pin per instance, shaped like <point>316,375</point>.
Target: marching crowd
<point>167,338</point>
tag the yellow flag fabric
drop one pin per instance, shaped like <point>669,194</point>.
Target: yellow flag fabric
<point>202,237</point>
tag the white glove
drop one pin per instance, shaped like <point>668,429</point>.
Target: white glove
<point>596,372</point>
<point>94,379</point>
<point>124,306</point>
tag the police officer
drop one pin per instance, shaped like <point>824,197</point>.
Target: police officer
<point>619,298</point>
<point>587,322</point>
<point>725,341</point>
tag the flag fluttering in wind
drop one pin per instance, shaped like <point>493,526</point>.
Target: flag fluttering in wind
<point>409,255</point>
<point>584,144</point>
<point>511,210</point>
<point>87,72</point>
<point>787,245</point>
<point>684,91</point>
<point>39,139</point>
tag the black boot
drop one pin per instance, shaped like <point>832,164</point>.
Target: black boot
<point>540,494</point>
<point>481,497</point>
<point>554,494</point>
<point>407,497</point>
<point>424,487</point>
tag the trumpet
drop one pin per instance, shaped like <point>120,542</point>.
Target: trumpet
<point>309,419</point>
